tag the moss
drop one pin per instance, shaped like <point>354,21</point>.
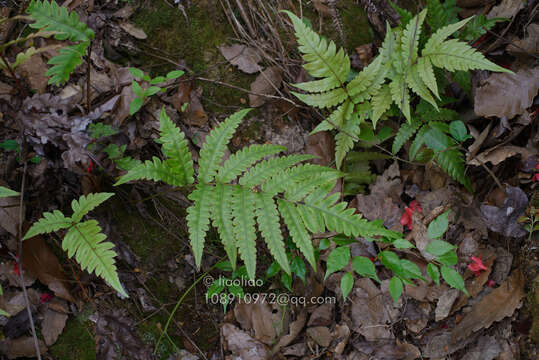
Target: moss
<point>76,341</point>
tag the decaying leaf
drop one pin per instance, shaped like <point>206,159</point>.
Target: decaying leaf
<point>499,154</point>
<point>243,345</point>
<point>21,347</point>
<point>266,83</point>
<point>500,303</point>
<point>295,328</point>
<point>506,9</point>
<point>9,212</point>
<point>504,220</point>
<point>134,31</point>
<point>258,317</point>
<point>52,326</point>
<point>529,44</point>
<point>38,258</point>
<point>245,58</point>
<point>320,334</point>
<point>507,94</point>
<point>194,112</point>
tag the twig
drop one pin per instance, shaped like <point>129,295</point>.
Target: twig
<point>88,82</point>
<point>19,264</point>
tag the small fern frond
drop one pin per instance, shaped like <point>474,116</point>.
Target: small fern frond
<point>381,102</point>
<point>65,63</point>
<point>50,222</point>
<point>404,14</point>
<point>155,170</point>
<point>401,96</point>
<point>323,100</point>
<point>297,230</point>
<point>344,140</point>
<point>6,192</point>
<point>221,214</point>
<point>441,14</point>
<point>262,171</point>
<point>443,33</point>
<point>425,70</point>
<point>86,242</point>
<point>279,181</point>
<point>243,211</point>
<point>406,131</point>
<point>50,16</point>
<point>267,217</point>
<point>321,57</point>
<point>367,82</point>
<point>338,117</point>
<point>451,161</point>
<point>240,161</point>
<point>87,203</point>
<point>456,55</point>
<point>198,218</point>
<point>215,144</point>
<point>415,82</point>
<point>176,149</point>
<point>418,141</point>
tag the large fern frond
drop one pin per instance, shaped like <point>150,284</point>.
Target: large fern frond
<point>221,214</point>
<point>50,222</point>
<point>452,162</point>
<point>86,242</point>
<point>297,230</point>
<point>243,211</point>
<point>345,139</point>
<point>262,171</point>
<point>156,170</point>
<point>215,144</point>
<point>321,57</point>
<point>50,16</point>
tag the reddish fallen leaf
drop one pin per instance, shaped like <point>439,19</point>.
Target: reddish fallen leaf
<point>476,265</point>
<point>406,219</point>
<point>45,297</point>
<point>491,283</point>
<point>536,175</point>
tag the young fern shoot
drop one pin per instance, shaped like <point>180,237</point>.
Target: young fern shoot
<point>253,189</point>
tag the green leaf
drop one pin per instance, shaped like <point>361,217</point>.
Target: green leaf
<point>48,223</point>
<point>337,260</point>
<point>286,280</point>
<point>87,203</point>
<point>221,214</point>
<point>391,261</point>
<point>137,90</point>
<point>457,129</point>
<point>5,192</point>
<point>65,63</point>
<point>439,247</point>
<point>243,212</point>
<point>215,288</point>
<point>438,226</point>
<point>324,244</point>
<point>297,266</point>
<point>174,74</point>
<point>436,140</point>
<point>198,218</point>
<point>453,278</point>
<point>406,131</point>
<point>402,244</point>
<point>273,270</point>
<point>449,258</point>
<point>347,283</point>
<point>135,105</point>
<point>99,130</point>
<point>10,145</point>
<point>157,80</point>
<point>434,273</point>
<point>395,289</point>
<point>139,74</point>
<point>152,90</point>
<point>411,270</point>
<point>364,267</point>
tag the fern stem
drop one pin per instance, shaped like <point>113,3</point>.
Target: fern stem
<point>180,301</point>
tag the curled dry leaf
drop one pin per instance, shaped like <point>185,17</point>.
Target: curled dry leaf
<point>529,44</point>
<point>266,83</point>
<point>500,303</point>
<point>258,318</point>
<point>320,334</point>
<point>245,58</point>
<point>506,9</point>
<point>507,94</point>
<point>39,260</point>
<point>504,220</point>
<point>194,113</point>
<point>499,154</point>
<point>134,31</point>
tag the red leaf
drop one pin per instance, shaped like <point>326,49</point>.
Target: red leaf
<point>406,219</point>
<point>477,265</point>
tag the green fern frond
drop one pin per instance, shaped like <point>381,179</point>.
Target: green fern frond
<point>267,217</point>
<point>262,171</point>
<point>406,131</point>
<point>381,102</point>
<point>418,142</point>
<point>416,83</point>
<point>452,162</point>
<point>87,203</point>
<point>86,242</point>
<point>280,180</point>
<point>175,148</point>
<point>155,170</point>
<point>6,192</point>
<point>65,63</point>
<point>297,230</point>
<point>440,15</point>
<point>240,161</point>
<point>410,38</point>
<point>425,70</point>
<point>344,140</point>
<point>404,14</point>
<point>215,144</point>
<point>50,16</point>
<point>48,223</point>
<point>221,214</point>
<point>401,96</point>
<point>243,211</point>
<point>338,117</point>
<point>296,191</point>
<point>198,218</point>
<point>323,100</point>
<point>321,57</point>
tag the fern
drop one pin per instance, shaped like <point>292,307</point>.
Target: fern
<point>5,192</point>
<point>250,191</point>
<point>401,65</point>
<point>83,239</point>
<point>51,17</point>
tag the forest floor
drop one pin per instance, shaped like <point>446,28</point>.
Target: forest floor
<point>167,315</point>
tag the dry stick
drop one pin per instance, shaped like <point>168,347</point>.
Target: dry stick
<point>88,82</point>
<point>19,264</point>
<point>12,73</point>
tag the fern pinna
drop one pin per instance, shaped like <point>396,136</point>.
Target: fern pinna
<point>83,239</point>
<point>253,189</point>
<point>398,68</point>
<point>65,24</point>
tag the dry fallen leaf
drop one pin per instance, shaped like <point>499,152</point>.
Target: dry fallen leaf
<point>32,70</point>
<point>241,344</point>
<point>134,31</point>
<point>295,328</point>
<point>39,260</point>
<point>245,58</point>
<point>506,9</point>
<point>504,220</point>
<point>21,347</point>
<point>507,94</point>
<point>52,326</point>
<point>529,44</point>
<point>9,212</point>
<point>500,303</point>
<point>194,113</point>
<point>266,83</point>
<point>499,154</point>
<point>320,334</point>
<point>258,317</point>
